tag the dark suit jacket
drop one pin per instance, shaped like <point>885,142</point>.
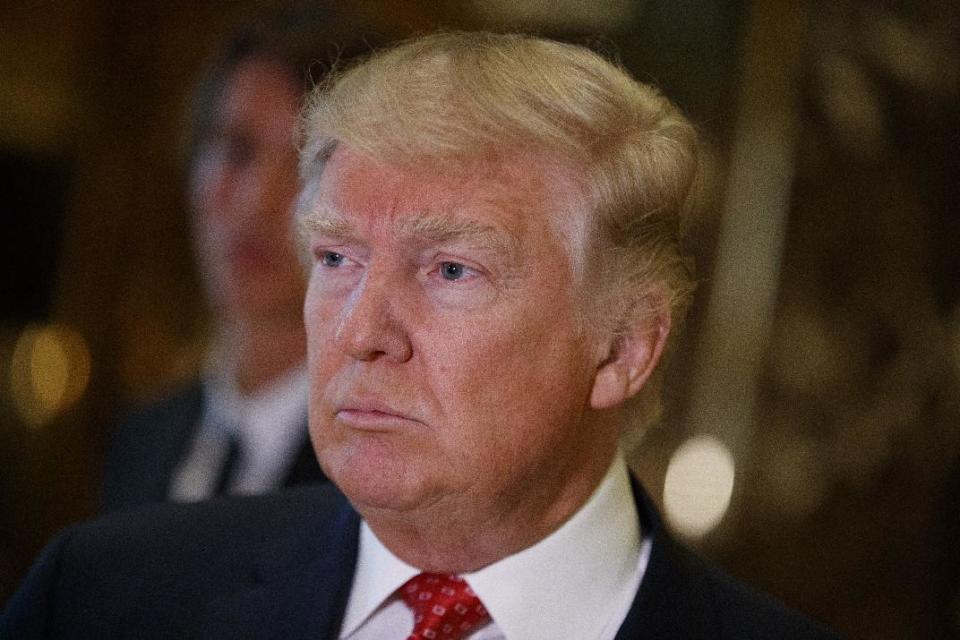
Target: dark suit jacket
<point>148,445</point>
<point>281,567</point>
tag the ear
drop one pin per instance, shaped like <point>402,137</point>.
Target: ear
<point>631,358</point>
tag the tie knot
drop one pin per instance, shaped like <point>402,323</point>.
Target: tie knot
<point>444,606</point>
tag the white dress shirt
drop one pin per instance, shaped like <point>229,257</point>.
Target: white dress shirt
<point>267,425</point>
<point>578,582</point>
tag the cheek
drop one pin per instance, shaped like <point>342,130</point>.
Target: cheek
<point>321,315</point>
<point>210,250</point>
<point>209,233</point>
<point>206,181</point>
<point>208,222</point>
<point>528,373</point>
<point>482,372</point>
<point>317,320</point>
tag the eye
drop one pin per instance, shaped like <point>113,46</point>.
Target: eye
<point>452,270</point>
<point>331,258</point>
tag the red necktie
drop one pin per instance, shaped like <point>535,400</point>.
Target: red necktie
<point>444,606</point>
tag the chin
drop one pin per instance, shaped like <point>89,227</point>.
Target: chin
<point>371,475</point>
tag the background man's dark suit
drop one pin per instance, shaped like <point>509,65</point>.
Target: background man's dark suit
<point>281,567</point>
<point>150,443</point>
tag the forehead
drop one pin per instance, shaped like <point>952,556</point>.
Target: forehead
<point>504,194</point>
<point>260,93</point>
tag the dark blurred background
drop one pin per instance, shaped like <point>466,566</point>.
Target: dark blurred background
<point>811,436</point>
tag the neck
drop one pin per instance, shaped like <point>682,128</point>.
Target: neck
<point>260,351</point>
<point>465,537</point>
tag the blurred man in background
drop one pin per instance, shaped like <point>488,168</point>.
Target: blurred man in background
<point>241,426</point>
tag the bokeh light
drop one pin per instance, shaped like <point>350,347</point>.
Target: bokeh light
<point>49,371</point>
<point>796,473</point>
<point>698,485</point>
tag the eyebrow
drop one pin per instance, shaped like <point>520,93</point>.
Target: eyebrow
<point>431,228</point>
<point>434,228</point>
<point>322,223</point>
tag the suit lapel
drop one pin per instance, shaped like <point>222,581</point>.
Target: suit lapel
<point>301,584</point>
<point>180,427</point>
<point>151,448</point>
<point>671,602</point>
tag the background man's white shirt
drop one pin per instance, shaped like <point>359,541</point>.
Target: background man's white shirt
<point>268,426</point>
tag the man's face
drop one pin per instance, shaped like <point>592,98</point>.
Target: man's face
<point>447,366</point>
<point>244,181</point>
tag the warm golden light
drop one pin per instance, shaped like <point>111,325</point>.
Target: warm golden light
<point>698,486</point>
<point>49,372</point>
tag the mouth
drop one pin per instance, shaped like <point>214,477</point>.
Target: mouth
<point>373,416</point>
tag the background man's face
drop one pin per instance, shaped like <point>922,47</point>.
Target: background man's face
<point>243,185</point>
<point>446,363</point>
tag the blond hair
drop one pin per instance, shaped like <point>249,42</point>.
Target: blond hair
<point>456,98</point>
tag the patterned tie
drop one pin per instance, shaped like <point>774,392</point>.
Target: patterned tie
<point>444,606</point>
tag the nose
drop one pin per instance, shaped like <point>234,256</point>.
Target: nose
<point>370,327</point>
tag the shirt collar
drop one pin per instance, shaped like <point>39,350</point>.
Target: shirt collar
<point>598,547</point>
<point>378,574</point>
<point>574,577</point>
<point>267,420</point>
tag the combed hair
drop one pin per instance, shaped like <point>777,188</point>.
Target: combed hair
<point>456,98</point>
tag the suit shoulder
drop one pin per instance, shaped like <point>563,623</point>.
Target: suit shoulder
<point>105,578</point>
<point>169,536</point>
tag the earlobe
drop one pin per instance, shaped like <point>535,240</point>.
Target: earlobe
<point>632,358</point>
<point>610,387</point>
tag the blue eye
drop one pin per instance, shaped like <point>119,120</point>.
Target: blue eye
<point>331,259</point>
<point>451,270</point>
